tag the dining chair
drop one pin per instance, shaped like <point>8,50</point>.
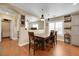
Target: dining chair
<point>33,42</point>
<point>50,39</point>
<point>55,38</point>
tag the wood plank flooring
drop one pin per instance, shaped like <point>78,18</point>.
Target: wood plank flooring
<point>10,48</point>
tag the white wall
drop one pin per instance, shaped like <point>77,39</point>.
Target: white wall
<point>23,37</point>
<point>13,30</point>
<point>23,34</point>
<point>15,27</point>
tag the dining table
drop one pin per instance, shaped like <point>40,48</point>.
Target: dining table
<point>42,35</point>
<point>42,38</point>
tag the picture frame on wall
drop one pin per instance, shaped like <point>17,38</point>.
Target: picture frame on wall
<point>22,20</point>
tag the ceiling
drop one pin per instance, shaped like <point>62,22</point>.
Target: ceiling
<point>7,11</point>
<point>50,10</point>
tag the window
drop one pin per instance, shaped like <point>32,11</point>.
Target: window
<point>57,26</point>
<point>35,26</point>
<point>51,26</point>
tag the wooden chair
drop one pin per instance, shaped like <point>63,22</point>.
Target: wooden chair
<point>50,39</point>
<point>55,38</point>
<point>33,42</point>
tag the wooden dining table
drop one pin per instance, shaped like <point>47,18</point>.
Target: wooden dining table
<point>42,35</point>
<point>42,39</point>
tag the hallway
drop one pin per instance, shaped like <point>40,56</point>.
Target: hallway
<point>10,48</point>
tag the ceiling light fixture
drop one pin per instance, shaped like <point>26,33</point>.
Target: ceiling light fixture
<point>42,16</point>
<point>48,19</point>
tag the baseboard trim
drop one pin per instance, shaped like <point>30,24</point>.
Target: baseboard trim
<point>23,44</point>
<point>14,38</point>
<point>0,40</point>
<point>75,45</point>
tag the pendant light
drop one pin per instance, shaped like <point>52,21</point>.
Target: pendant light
<point>42,16</point>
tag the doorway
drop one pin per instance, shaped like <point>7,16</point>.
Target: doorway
<point>5,28</point>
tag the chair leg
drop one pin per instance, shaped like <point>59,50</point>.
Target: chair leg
<point>53,43</point>
<point>34,49</point>
<point>29,48</point>
<point>56,41</point>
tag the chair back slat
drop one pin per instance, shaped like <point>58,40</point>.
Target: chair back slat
<point>52,33</point>
<point>55,34</point>
<point>31,35</point>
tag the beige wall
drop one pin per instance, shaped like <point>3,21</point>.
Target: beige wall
<point>75,30</point>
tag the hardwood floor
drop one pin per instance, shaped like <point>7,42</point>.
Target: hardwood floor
<point>10,48</point>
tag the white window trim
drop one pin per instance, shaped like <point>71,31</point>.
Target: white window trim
<point>55,27</point>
